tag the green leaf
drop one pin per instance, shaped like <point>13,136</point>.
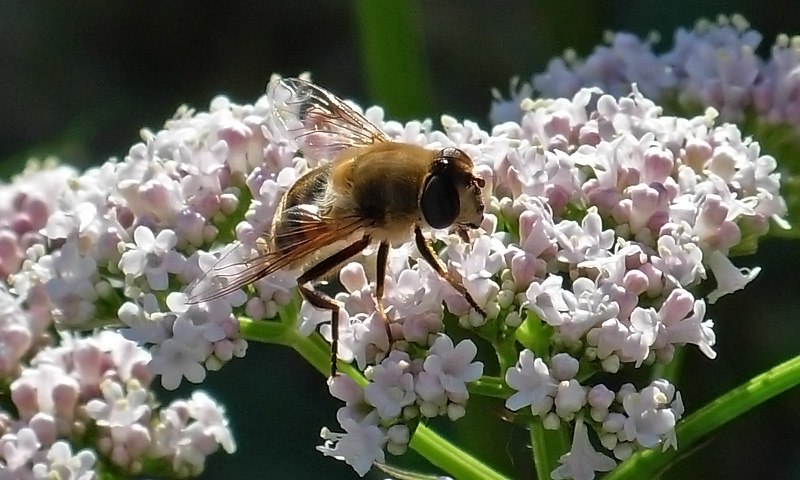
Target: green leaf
<point>392,49</point>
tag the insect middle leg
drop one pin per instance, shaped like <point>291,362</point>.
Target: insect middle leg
<point>427,253</point>
<point>321,300</point>
<point>380,280</point>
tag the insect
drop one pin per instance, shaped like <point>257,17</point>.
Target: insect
<point>371,190</point>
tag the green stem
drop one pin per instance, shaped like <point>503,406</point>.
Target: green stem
<point>489,387</point>
<point>692,430</point>
<point>507,354</point>
<point>547,447</point>
<point>534,335</point>
<point>450,458</point>
<point>671,370</point>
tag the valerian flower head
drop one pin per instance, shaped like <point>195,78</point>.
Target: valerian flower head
<point>603,217</point>
<point>712,65</point>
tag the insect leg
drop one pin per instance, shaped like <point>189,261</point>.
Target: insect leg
<point>383,255</point>
<point>427,253</point>
<point>323,301</point>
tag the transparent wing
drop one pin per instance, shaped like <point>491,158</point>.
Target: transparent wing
<point>317,122</point>
<point>238,266</point>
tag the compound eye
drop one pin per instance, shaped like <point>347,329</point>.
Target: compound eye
<point>440,203</point>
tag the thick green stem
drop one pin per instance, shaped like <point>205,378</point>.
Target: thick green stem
<point>691,431</point>
<point>450,458</point>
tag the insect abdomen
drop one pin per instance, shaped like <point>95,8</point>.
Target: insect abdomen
<point>298,202</point>
<point>308,188</point>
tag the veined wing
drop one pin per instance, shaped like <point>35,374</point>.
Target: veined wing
<point>317,122</point>
<point>237,268</point>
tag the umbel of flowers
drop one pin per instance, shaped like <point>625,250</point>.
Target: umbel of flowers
<point>712,65</point>
<point>604,218</point>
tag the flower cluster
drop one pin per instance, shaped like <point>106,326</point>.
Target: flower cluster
<point>604,218</point>
<point>82,404</point>
<point>94,392</point>
<point>713,65</point>
<point>400,390</point>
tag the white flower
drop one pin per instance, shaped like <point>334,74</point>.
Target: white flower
<point>145,322</point>
<point>45,388</point>
<point>391,385</point>
<point>71,287</point>
<point>16,334</point>
<point>650,420</point>
<point>533,382</point>
<point>682,322</point>
<point>152,257</point>
<point>679,259</point>
<point>62,464</point>
<point>503,110</point>
<point>547,299</point>
<point>174,360</point>
<point>118,409</point>
<point>360,446</point>
<point>211,417</point>
<point>454,367</point>
<point>364,338</point>
<point>398,436</point>
<point>729,278</point>
<point>565,367</point>
<point>587,241</point>
<point>582,461</point>
<point>587,306</point>
<point>19,448</point>
<point>432,396</point>
<point>346,389</point>
<point>124,418</point>
<point>477,263</point>
<point>413,292</point>
<point>570,398</point>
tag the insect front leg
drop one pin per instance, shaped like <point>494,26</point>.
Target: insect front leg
<point>428,254</point>
<point>323,301</point>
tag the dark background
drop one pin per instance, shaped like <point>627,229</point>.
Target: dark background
<point>79,79</point>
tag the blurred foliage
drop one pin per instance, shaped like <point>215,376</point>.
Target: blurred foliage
<point>392,49</point>
<point>79,80</point>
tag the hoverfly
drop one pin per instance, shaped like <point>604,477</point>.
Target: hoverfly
<point>371,190</point>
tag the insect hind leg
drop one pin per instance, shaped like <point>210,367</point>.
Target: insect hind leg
<point>324,302</point>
